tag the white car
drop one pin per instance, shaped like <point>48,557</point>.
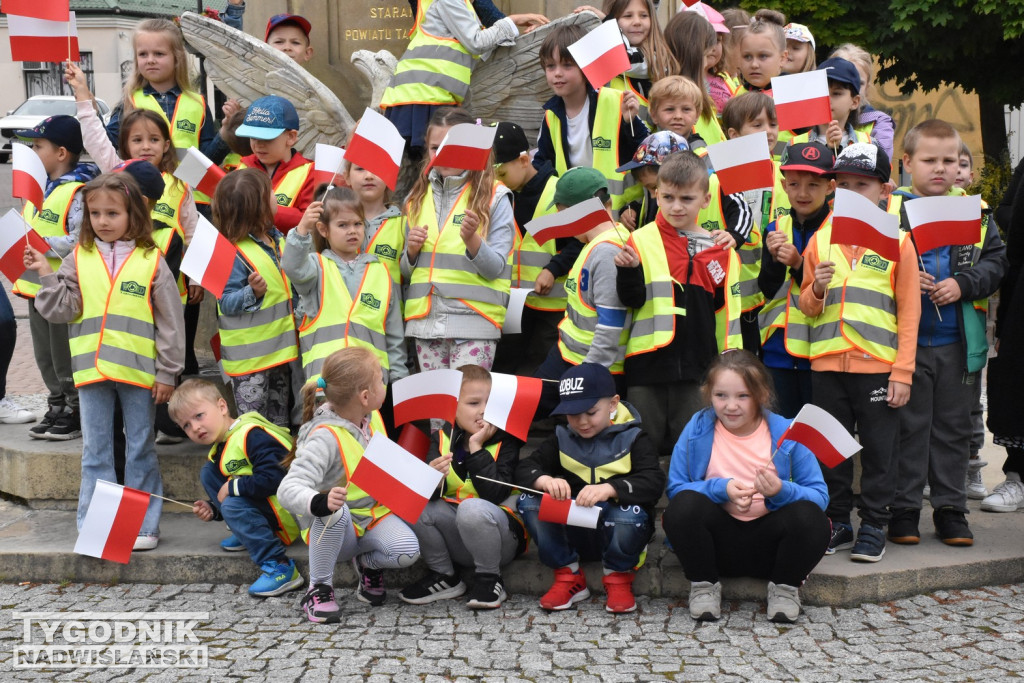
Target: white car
<point>33,110</point>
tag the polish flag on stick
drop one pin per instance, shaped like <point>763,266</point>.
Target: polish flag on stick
<point>415,441</point>
<point>467,146</point>
<point>512,403</point>
<point>14,232</point>
<point>568,512</point>
<point>601,54</point>
<point>822,434</point>
<point>944,221</point>
<point>377,146</point>
<point>42,40</point>
<point>209,258</point>
<point>52,10</point>
<point>112,522</point>
<point>425,395</point>
<point>744,163</point>
<point>328,163</point>
<point>857,220</point>
<point>575,220</point>
<point>28,175</point>
<point>198,172</point>
<point>396,478</point>
<point>801,100</point>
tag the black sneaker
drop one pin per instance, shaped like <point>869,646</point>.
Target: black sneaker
<point>68,426</point>
<point>951,527</point>
<point>903,526</point>
<point>870,545</point>
<point>488,592</point>
<point>433,587</point>
<point>371,584</point>
<point>842,538</point>
<point>39,430</point>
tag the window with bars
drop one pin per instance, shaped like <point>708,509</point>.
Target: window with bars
<point>47,78</point>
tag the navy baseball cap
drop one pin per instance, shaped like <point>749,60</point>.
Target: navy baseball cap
<point>581,387</point>
<point>268,117</point>
<point>294,19</point>
<point>148,176</point>
<point>841,71</point>
<point>61,129</point>
<point>813,157</point>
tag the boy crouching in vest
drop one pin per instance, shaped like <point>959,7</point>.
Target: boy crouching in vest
<point>863,310</point>
<point>682,283</point>
<point>241,480</point>
<point>602,458</point>
<point>470,521</point>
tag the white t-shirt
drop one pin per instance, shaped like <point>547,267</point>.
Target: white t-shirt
<point>581,150</point>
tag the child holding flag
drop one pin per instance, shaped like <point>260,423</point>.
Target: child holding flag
<point>742,500</point>
<point>602,458</point>
<point>347,523</point>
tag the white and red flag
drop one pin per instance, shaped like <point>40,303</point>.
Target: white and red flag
<point>412,439</point>
<point>601,54</point>
<point>327,164</point>
<point>512,403</point>
<point>396,478</point>
<point>801,100</point>
<point>425,395</point>
<point>209,258</point>
<point>743,163</point>
<point>568,512</point>
<point>377,146</point>
<point>14,232</point>
<point>28,175</point>
<point>112,522</point>
<point>467,146</point>
<point>514,311</point>
<point>576,220</point>
<point>52,10</point>
<point>944,221</point>
<point>822,434</point>
<point>34,39</point>
<point>857,220</point>
<point>198,172</point>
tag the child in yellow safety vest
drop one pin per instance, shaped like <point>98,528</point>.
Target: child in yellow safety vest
<point>385,224</point>
<point>347,524</point>
<point>456,259</point>
<point>241,480</point>
<point>471,520</point>
<point>127,336</point>
<point>58,142</point>
<point>257,328</point>
<point>844,99</point>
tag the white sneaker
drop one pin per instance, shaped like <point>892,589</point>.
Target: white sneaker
<point>975,486</point>
<point>146,542</point>
<point>705,600</point>
<point>1007,496</point>
<point>11,413</point>
<point>783,603</point>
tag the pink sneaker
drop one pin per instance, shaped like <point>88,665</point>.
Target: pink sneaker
<point>319,605</point>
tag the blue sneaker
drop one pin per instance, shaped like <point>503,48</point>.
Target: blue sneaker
<point>231,544</point>
<point>276,579</point>
<point>870,545</point>
<point>842,538</point>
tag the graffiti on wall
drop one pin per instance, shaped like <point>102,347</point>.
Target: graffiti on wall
<point>947,103</point>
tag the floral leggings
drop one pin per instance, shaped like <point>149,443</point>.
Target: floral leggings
<point>266,392</point>
<point>438,354</point>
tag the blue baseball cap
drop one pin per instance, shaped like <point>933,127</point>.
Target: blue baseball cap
<point>841,71</point>
<point>268,117</point>
<point>581,387</point>
<point>61,129</point>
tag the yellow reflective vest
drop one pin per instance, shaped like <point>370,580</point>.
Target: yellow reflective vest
<point>167,221</point>
<point>529,259</point>
<point>186,123</point>
<point>51,221</point>
<point>114,337</point>
<point>344,320</point>
<point>234,462</point>
<point>387,245</point>
<point>288,186</point>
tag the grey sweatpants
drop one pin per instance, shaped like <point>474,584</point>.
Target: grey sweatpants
<point>473,533</point>
<point>52,351</point>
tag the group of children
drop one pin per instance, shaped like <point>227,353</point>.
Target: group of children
<point>671,302</point>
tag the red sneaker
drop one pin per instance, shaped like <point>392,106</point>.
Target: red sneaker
<point>568,589</point>
<point>619,587</point>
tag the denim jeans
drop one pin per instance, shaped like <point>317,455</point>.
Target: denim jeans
<point>8,335</point>
<point>621,535</point>
<point>142,471</point>
<point>250,519</point>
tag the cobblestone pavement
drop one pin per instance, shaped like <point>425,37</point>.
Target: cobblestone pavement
<point>958,635</point>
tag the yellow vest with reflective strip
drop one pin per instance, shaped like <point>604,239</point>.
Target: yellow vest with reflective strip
<point>344,320</point>
<point>780,200</point>
<point>432,70</point>
<point>457,489</point>
<point>365,510</point>
<point>624,84</point>
<point>262,339</point>
<point>782,311</point>
<point>231,162</point>
<point>114,337</point>
<point>51,221</point>
<point>576,331</point>
<point>168,213</point>
<point>387,245</point>
<point>186,124</point>
<point>860,307</point>
<point>288,186</point>
<point>621,465</point>
<point>604,139</point>
<point>234,462</point>
<point>529,259</point>
<point>441,267</point>
<point>709,130</point>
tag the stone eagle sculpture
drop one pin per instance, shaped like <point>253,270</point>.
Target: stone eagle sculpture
<point>508,86</point>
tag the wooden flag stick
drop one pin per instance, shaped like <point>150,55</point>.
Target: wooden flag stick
<point>330,185</point>
<point>920,261</point>
<point>169,500</point>
<point>24,222</point>
<point>511,486</point>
